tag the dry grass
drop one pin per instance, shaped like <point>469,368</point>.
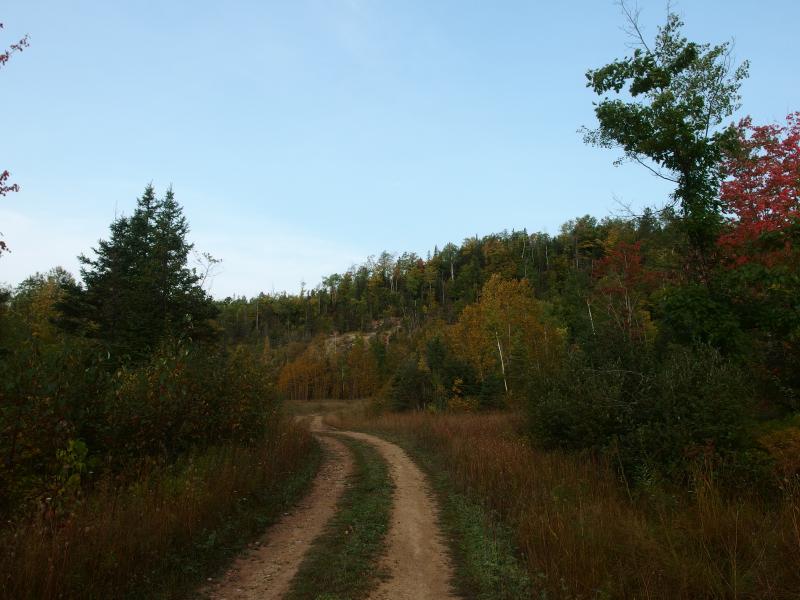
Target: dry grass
<point>156,537</point>
<point>584,535</point>
<point>312,407</point>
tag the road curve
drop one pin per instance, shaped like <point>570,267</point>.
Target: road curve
<point>417,558</point>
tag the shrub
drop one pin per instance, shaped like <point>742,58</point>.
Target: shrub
<point>410,387</point>
<point>184,397</point>
<point>156,537</point>
<point>688,406</point>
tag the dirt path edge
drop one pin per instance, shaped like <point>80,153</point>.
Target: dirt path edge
<point>266,571</point>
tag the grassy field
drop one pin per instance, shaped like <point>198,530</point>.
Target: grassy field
<point>583,534</point>
<point>304,408</point>
<point>163,535</point>
<point>343,562</point>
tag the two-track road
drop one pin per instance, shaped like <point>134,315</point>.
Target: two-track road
<point>416,558</point>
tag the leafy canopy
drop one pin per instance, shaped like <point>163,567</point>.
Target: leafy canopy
<point>664,106</point>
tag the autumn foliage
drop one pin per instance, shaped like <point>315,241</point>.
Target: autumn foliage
<point>622,290</point>
<point>324,371</point>
<point>762,192</point>
<point>16,47</point>
<point>506,335</point>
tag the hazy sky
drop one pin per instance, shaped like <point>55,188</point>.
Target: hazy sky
<point>302,136</point>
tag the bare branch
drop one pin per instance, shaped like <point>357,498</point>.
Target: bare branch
<point>207,266</point>
<point>626,211</point>
<point>655,172</point>
<point>633,28</point>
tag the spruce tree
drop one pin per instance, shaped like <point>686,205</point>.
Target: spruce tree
<point>139,289</point>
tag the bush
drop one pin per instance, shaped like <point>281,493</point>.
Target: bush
<point>158,536</point>
<point>54,395</point>
<point>410,387</point>
<point>686,407</point>
<point>185,397</point>
<point>48,393</point>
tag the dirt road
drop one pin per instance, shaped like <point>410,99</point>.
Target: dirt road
<point>416,559</point>
<point>266,571</point>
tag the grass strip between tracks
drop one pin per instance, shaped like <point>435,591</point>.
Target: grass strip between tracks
<point>344,561</point>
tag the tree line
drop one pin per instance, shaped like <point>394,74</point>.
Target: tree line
<point>661,336</point>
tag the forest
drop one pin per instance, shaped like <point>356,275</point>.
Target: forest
<point>643,364</point>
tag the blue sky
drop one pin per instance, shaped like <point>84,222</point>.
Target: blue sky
<point>302,136</point>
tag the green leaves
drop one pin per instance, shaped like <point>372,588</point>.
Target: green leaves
<point>675,97</point>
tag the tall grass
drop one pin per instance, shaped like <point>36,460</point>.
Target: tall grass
<point>585,534</point>
<point>158,536</point>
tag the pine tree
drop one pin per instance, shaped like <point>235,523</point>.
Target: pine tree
<point>138,289</point>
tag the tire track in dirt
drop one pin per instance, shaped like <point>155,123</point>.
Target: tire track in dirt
<point>417,559</point>
<point>267,571</point>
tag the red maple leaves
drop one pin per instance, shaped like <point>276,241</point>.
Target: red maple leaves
<point>762,192</point>
<point>4,188</point>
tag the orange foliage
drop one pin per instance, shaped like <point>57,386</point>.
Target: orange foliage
<point>321,373</point>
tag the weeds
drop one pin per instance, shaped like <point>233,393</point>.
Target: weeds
<point>583,535</point>
<point>159,537</point>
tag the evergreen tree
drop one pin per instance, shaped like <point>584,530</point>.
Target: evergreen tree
<point>139,289</point>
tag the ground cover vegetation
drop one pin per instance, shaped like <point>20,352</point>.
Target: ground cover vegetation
<point>580,532</point>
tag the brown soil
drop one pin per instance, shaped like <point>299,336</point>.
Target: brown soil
<point>416,559</point>
<point>267,569</point>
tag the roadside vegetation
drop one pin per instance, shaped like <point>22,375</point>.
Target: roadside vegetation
<point>580,532</point>
<point>486,560</point>
<point>163,533</point>
<point>618,404</point>
<point>345,561</point>
<point>138,449</point>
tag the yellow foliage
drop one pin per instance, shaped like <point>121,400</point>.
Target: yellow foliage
<point>506,319</point>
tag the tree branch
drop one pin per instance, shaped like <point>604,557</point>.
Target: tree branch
<point>652,170</point>
<point>633,29</point>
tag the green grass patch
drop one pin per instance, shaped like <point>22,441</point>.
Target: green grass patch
<point>343,563</point>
